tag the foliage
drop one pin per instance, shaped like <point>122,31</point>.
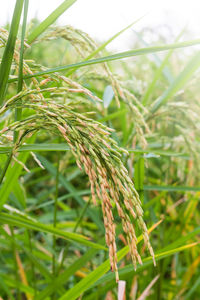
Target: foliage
<point>69,114</point>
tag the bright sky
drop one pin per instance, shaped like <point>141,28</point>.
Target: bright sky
<point>103,18</point>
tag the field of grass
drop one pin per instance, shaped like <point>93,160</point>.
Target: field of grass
<point>96,149</point>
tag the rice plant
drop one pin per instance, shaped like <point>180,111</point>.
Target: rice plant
<point>95,154</point>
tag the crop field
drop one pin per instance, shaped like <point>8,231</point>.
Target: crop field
<point>99,164</point>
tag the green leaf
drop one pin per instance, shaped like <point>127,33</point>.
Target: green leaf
<point>158,73</point>
<point>90,279</point>
<point>12,175</point>
<point>117,56</point>
<point>103,46</point>
<point>63,277</point>
<point>18,111</point>
<point>5,288</point>
<point>20,76</point>
<point>192,290</point>
<point>126,272</point>
<point>70,188</point>
<point>64,147</point>
<point>156,59</point>
<point>19,192</point>
<point>29,224</point>
<point>171,188</point>
<point>108,96</point>
<point>9,49</point>
<point>139,174</point>
<point>178,83</point>
<point>50,20</point>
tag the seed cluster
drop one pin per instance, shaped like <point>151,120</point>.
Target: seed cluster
<point>99,155</point>
<point>90,142</point>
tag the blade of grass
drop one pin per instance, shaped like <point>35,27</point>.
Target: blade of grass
<point>117,56</point>
<point>126,272</point>
<point>12,176</point>
<point>70,188</point>
<point>90,279</point>
<point>65,252</point>
<point>192,290</point>
<point>171,188</point>
<point>156,59</point>
<point>62,278</point>
<point>146,292</point>
<point>103,46</point>
<point>22,274</point>
<point>18,111</point>
<point>26,223</point>
<point>23,288</point>
<point>9,49</point>
<point>158,73</point>
<point>183,239</point>
<point>17,277</point>
<point>5,288</point>
<point>113,115</point>
<point>50,20</point>
<point>64,147</point>
<point>55,218</point>
<point>6,65</point>
<point>139,171</point>
<point>38,264</point>
<point>178,83</point>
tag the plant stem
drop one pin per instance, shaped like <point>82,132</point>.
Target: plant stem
<point>18,111</point>
<point>32,265</point>
<point>15,264</point>
<point>9,158</point>
<point>74,230</point>
<point>9,49</point>
<point>55,214</point>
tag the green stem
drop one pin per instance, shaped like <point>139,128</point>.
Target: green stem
<point>55,215</point>
<point>11,40</point>
<point>18,111</point>
<point>32,264</point>
<point>9,49</point>
<point>74,230</point>
<point>81,215</point>
<point>55,222</point>
<point>15,264</point>
<point>6,167</point>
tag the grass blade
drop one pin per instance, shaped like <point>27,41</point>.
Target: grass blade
<point>90,279</point>
<point>9,49</point>
<point>18,111</point>
<point>103,46</point>
<point>169,188</point>
<point>26,223</point>
<point>178,83</point>
<point>156,59</point>
<point>117,56</point>
<point>12,175</point>
<point>45,147</point>
<point>20,76</point>
<point>50,20</point>
<point>158,73</point>
<point>126,272</point>
<point>64,276</point>
<point>70,188</point>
